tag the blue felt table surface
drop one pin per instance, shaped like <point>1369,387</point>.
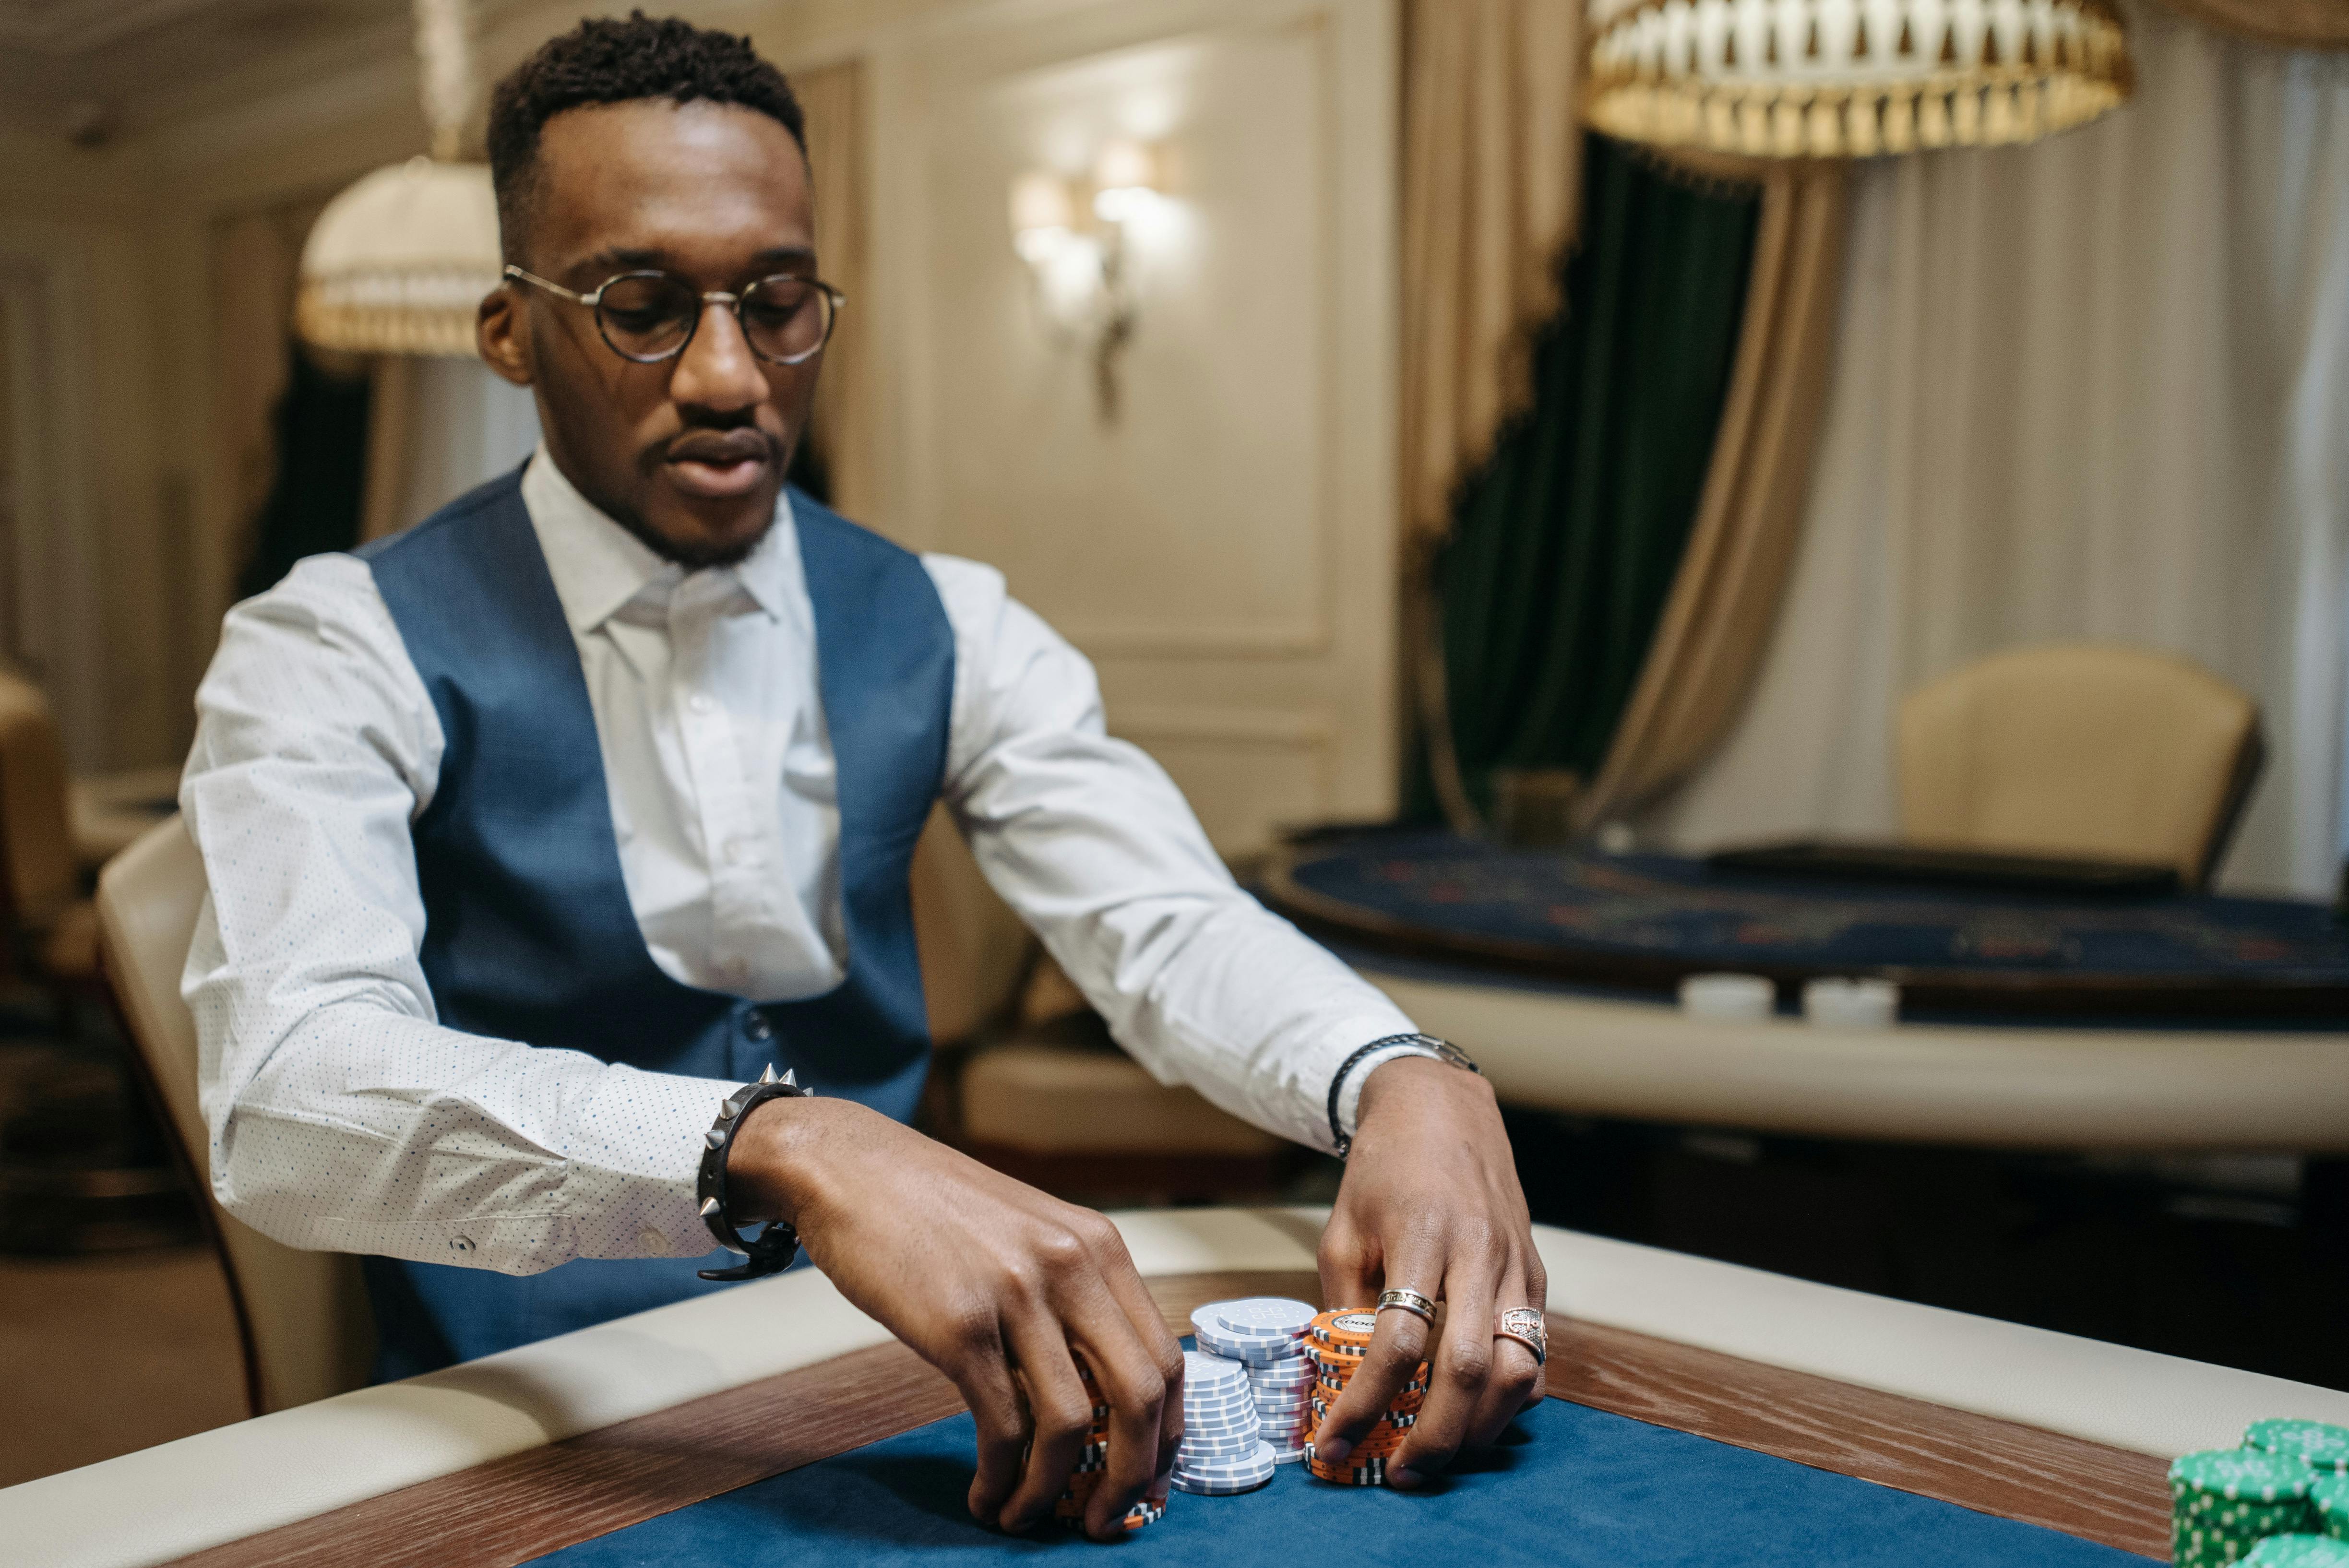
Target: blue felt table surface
<point>1573,1486</point>
<point>1662,904</point>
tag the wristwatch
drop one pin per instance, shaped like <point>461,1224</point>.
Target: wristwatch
<point>1441,1050</point>
<point>772,1249</point>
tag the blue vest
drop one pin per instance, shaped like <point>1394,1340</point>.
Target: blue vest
<point>529,935</point>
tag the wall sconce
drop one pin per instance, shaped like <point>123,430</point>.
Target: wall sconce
<point>1072,233</point>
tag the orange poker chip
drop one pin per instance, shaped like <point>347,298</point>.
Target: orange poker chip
<point>1345,1328</point>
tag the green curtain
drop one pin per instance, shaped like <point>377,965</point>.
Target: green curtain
<point>320,488</point>
<point>1565,545</point>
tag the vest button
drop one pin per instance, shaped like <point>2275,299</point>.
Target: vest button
<point>755,1025</point>
<point>651,1239</point>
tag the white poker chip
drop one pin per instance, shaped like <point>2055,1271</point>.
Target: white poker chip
<point>1254,1315</point>
<point>1201,1370</point>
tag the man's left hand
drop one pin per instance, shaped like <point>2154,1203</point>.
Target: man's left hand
<point>1431,1204</point>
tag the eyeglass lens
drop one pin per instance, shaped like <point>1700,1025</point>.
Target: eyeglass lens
<point>649,316</point>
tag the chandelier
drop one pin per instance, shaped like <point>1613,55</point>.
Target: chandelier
<point>397,263</point>
<point>1850,78</point>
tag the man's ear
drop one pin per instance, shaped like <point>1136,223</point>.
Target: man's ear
<point>502,332</point>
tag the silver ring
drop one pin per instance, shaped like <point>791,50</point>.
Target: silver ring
<point>1523,1325</point>
<point>1411,1301</point>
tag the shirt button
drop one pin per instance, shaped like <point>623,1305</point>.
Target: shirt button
<point>460,1244</point>
<point>652,1239</point>
<point>757,1027</point>
<point>701,702</point>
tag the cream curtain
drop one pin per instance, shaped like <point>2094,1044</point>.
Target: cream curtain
<point>2088,388</point>
<point>1491,183</point>
<point>842,425</point>
<point>435,427</point>
<point>1725,597</point>
<point>1492,158</point>
<point>2288,24</point>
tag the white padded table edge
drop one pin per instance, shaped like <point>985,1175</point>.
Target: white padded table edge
<point>1987,1086</point>
<point>224,1485</point>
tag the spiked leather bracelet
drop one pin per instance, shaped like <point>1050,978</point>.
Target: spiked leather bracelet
<point>772,1249</point>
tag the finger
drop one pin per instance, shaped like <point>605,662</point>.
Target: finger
<point>1349,1265</point>
<point>1517,1377</point>
<point>1398,1345</point>
<point>1000,1412</point>
<point>1135,1388</point>
<point>1061,1410</point>
<point>1463,1365</point>
<point>1158,1341</point>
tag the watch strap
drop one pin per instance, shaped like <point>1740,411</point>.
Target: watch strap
<point>1416,1045</point>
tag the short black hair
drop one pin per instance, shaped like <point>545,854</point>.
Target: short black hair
<point>606,60</point>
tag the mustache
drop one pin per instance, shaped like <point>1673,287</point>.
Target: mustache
<point>722,444</point>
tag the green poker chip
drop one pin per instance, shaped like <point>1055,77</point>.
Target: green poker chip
<point>2318,1444</point>
<point>2298,1552</point>
<point>2242,1475</point>
<point>2330,1496</point>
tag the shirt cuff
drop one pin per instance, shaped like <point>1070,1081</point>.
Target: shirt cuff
<point>635,1161</point>
<point>1350,1097</point>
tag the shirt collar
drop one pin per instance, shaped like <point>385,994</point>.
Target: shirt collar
<point>598,566</point>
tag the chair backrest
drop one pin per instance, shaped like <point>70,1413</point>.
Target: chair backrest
<point>2088,750</point>
<point>974,949</point>
<point>303,1315</point>
<point>37,846</point>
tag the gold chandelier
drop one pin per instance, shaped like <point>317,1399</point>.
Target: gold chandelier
<point>398,263</point>
<point>1850,78</point>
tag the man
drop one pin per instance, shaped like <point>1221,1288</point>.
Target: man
<point>534,831</point>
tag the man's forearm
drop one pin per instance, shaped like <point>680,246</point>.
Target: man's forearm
<point>373,1131</point>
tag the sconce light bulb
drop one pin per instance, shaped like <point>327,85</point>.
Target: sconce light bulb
<point>1040,201</point>
<point>1125,165</point>
<point>1036,246</point>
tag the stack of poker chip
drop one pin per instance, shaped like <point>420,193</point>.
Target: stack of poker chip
<point>1223,1450</point>
<point>1092,1459</point>
<point>1340,1341</point>
<point>1267,1335</point>
<point>2224,1502</point>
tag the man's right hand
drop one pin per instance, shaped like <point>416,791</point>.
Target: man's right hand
<point>989,1281</point>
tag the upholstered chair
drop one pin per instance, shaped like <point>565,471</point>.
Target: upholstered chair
<point>2090,749</point>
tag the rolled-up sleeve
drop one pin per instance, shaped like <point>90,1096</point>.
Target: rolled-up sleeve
<point>341,1114</point>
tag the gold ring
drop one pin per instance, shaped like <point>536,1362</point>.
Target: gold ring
<point>1411,1301</point>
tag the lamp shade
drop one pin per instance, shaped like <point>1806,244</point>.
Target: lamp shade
<point>1834,79</point>
<point>398,263</point>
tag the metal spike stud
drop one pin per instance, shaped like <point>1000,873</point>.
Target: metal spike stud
<point>717,1139</point>
<point>729,1108</point>
<point>769,1076</point>
<point>791,1079</point>
<point>708,1207</point>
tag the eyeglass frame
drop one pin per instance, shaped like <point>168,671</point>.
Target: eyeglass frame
<point>594,300</point>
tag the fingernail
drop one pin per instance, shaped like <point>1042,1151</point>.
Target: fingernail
<point>1333,1452</point>
<point>1406,1479</point>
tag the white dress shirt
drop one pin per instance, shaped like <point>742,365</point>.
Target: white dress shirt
<point>343,1116</point>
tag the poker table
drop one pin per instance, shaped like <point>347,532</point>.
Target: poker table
<point>1700,1413</point>
<point>2029,1021</point>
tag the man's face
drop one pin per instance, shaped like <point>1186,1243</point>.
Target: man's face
<point>687,453</point>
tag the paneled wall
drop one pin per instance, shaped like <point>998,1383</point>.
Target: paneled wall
<point>1220,546</point>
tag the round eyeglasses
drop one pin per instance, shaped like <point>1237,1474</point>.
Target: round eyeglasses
<point>650,316</point>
